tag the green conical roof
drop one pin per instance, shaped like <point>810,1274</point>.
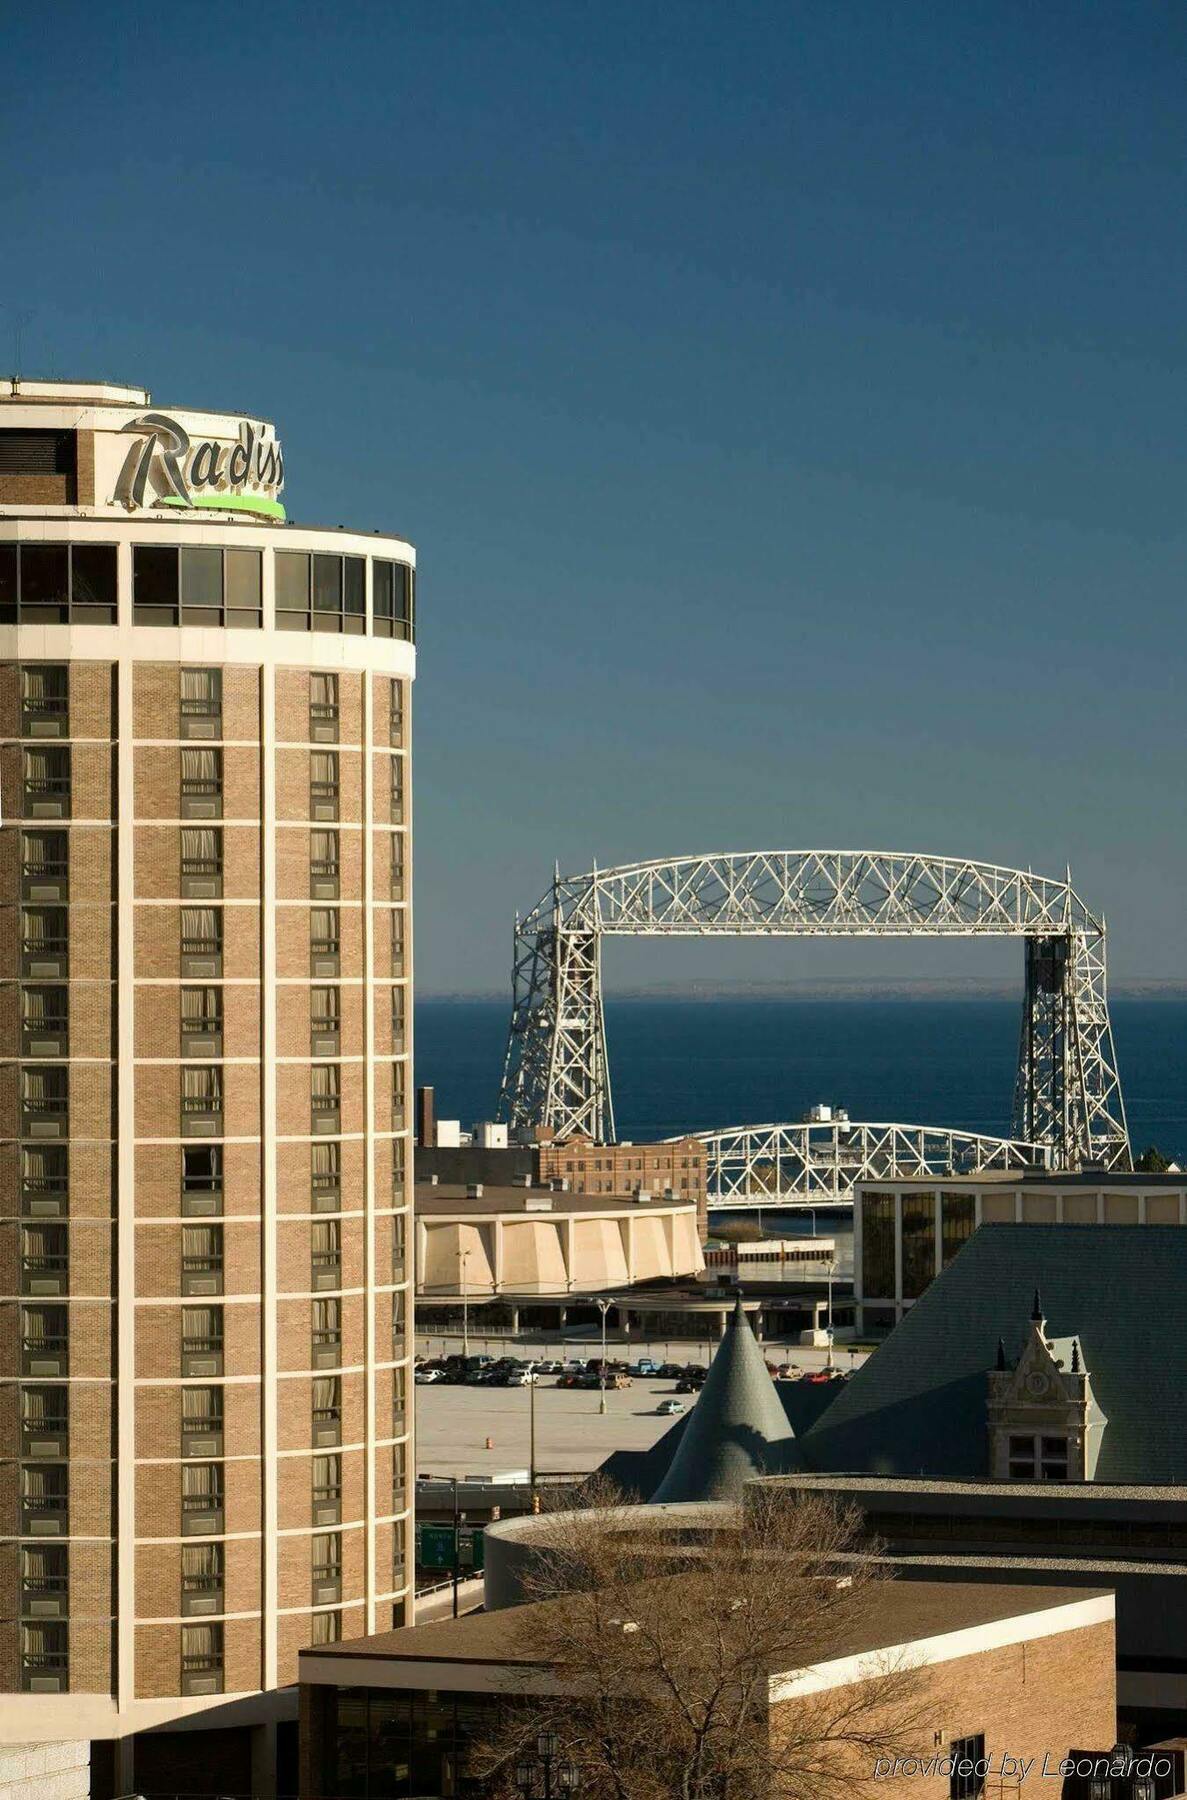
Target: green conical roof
<point>737,1429</point>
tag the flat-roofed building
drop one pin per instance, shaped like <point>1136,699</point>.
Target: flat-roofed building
<point>906,1232</point>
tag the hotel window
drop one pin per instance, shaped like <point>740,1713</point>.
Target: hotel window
<point>45,1421</point>
<point>201,1180</point>
<point>877,1246</point>
<point>201,862</point>
<point>201,1341</point>
<point>323,784</point>
<point>201,702</point>
<point>399,1478</point>
<point>45,700</point>
<point>323,708</point>
<point>57,584</point>
<point>201,1259</point>
<point>397,874</point>
<point>320,593</point>
<point>399,1404</point>
<point>201,1578</point>
<point>44,864</point>
<point>201,940</point>
<point>397,1019</point>
<point>201,1498</point>
<point>327,1567</point>
<point>326,1097</point>
<point>396,715</point>
<point>45,1104</point>
<point>327,1490</point>
<point>203,586</point>
<point>202,1659</point>
<point>393,600</point>
<point>1038,1458</point>
<point>325,1021</point>
<point>327,1628</point>
<point>919,1243</point>
<point>324,942</point>
<point>44,942</point>
<point>326,1176</point>
<point>44,1580</point>
<point>201,784</point>
<point>397,927</point>
<point>327,1333</point>
<point>45,1021</point>
<point>44,1344</point>
<point>958,1218</point>
<point>201,1421</point>
<point>47,782</point>
<point>399,1269</point>
<point>327,1411</point>
<point>326,1251</point>
<point>397,789</point>
<point>323,865</point>
<point>397,1096</point>
<point>44,1180</point>
<point>44,1660</point>
<point>202,1101</point>
<point>45,1498</point>
<point>398,1198</point>
<point>201,1021</point>
<point>44,1259</point>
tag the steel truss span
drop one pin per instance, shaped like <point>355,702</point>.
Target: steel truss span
<point>1067,1096</point>
<point>753,1165</point>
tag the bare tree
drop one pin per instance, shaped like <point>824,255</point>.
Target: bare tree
<point>659,1651</point>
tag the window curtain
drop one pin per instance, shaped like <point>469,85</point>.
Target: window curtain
<point>200,684</point>
<point>201,1484</point>
<point>202,1088</point>
<point>200,925</point>
<point>201,1408</point>
<point>327,1475</point>
<point>200,770</point>
<point>323,926</point>
<point>200,1008</point>
<point>327,1239</point>
<point>327,1319</point>
<point>325,1082</point>
<point>200,844</point>
<point>201,1243</point>
<point>327,1396</point>
<point>323,849</point>
<point>43,682</point>
<point>43,1087</point>
<point>201,1646</point>
<point>323,768</point>
<point>202,1324</point>
<point>201,1564</point>
<point>325,1161</point>
<point>323,690</point>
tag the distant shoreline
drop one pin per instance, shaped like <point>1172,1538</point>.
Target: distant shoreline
<point>856,990</point>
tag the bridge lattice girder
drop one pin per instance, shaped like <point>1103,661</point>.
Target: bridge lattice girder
<point>1068,1096</point>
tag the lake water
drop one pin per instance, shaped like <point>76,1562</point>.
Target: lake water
<point>701,1065</point>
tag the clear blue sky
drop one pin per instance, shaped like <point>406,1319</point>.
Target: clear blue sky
<point>787,402</point>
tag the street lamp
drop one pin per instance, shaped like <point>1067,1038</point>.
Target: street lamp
<point>465,1309</point>
<point>832,1269</point>
<point>547,1775</point>
<point>603,1307</point>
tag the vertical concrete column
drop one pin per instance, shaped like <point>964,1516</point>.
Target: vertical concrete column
<point>269,1424</point>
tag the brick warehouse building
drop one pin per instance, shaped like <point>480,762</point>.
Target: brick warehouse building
<point>205,1021</point>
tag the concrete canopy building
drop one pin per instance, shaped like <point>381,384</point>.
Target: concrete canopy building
<point>204,1035</point>
<point>530,1247</point>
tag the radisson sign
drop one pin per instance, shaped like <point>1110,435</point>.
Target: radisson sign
<point>165,467</point>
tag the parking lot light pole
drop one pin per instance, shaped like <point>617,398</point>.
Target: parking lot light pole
<point>603,1307</point>
<point>465,1309</point>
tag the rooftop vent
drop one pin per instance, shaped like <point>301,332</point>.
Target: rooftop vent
<point>538,1203</point>
<point>473,1190</point>
<point>559,1184</point>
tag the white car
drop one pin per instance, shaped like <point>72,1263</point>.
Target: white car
<point>668,1409</point>
<point>425,1377</point>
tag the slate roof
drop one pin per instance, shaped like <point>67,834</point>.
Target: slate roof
<point>917,1405</point>
<point>736,1430</point>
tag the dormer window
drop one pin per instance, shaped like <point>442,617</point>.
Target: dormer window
<point>1038,1458</point>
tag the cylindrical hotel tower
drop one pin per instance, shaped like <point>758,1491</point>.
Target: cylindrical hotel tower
<point>205,1020</point>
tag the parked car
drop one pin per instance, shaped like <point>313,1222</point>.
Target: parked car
<point>685,1386</point>
<point>667,1409</point>
<point>425,1376</point>
<point>645,1366</point>
<point>670,1371</point>
<point>549,1367</point>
